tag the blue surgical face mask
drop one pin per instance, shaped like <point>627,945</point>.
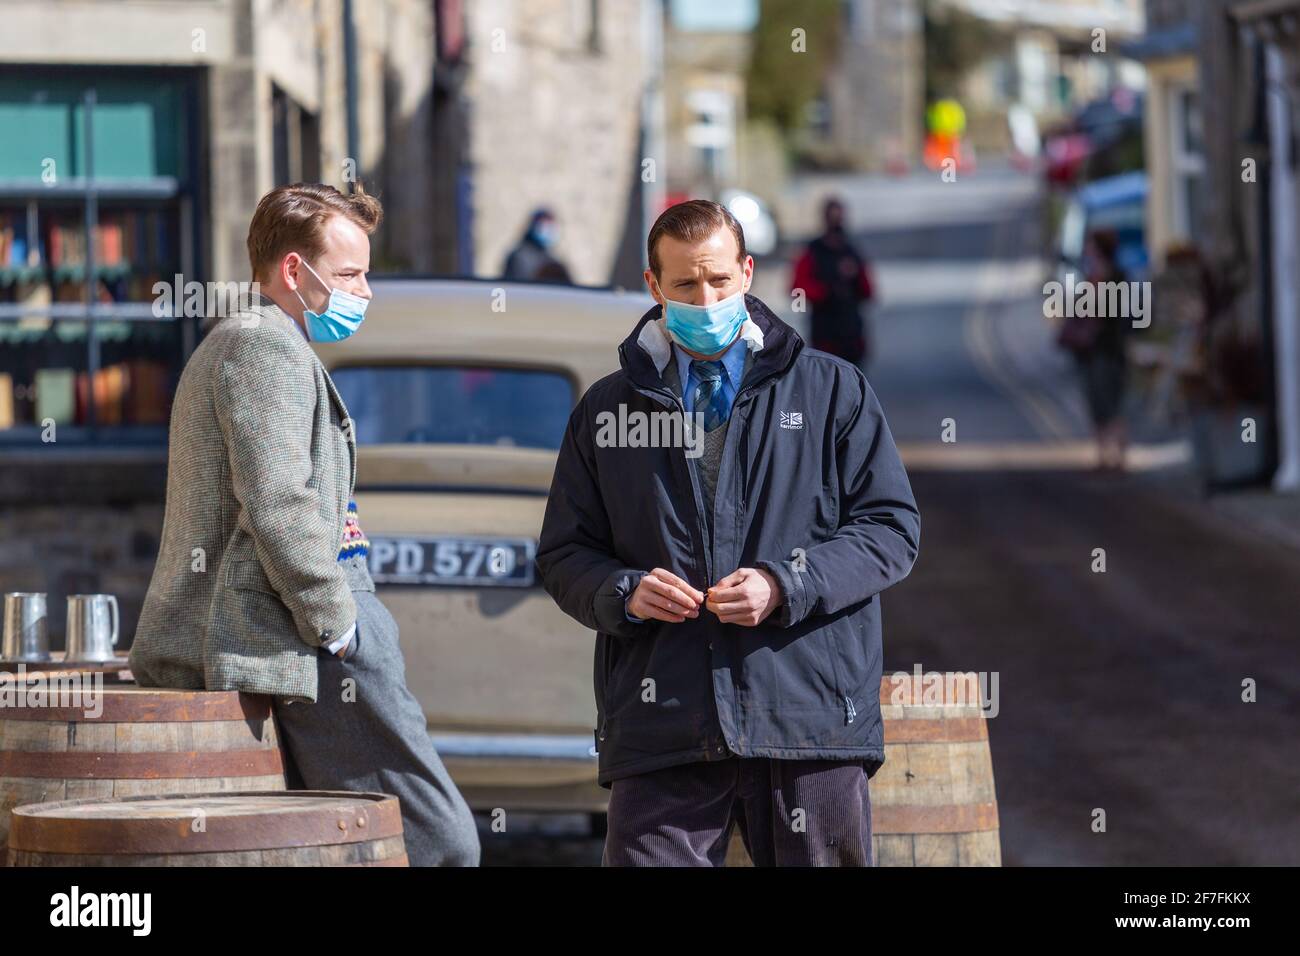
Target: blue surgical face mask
<point>341,317</point>
<point>544,234</point>
<point>706,329</point>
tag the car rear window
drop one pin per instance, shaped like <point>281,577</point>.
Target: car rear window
<point>466,405</point>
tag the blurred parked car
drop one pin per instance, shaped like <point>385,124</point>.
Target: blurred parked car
<point>1117,202</point>
<point>753,214</point>
<point>460,392</point>
<point>1064,153</point>
<point>1102,138</point>
<point>1109,119</point>
<point>755,220</point>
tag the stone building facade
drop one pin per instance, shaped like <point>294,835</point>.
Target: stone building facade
<point>1221,133</point>
<point>556,111</point>
<point>261,85</point>
<point>875,92</point>
<point>465,116</point>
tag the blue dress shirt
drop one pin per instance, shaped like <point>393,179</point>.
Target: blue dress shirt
<point>733,363</point>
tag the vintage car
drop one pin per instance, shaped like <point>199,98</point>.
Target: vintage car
<point>460,391</point>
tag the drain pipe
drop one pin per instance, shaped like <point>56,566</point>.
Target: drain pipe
<point>350,88</point>
<point>1285,249</point>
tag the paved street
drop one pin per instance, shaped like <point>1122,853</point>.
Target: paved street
<point>1118,691</point>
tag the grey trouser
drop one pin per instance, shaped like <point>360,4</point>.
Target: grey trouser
<point>790,813</point>
<point>367,731</point>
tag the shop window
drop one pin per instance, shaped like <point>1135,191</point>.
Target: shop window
<point>1187,160</point>
<point>295,140</point>
<point>99,203</point>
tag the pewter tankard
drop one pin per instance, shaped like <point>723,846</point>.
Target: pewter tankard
<point>25,635</point>
<point>92,627</point>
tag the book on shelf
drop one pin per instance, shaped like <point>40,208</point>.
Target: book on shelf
<point>109,387</point>
<point>68,245</point>
<point>15,247</point>
<point>6,401</point>
<point>55,395</point>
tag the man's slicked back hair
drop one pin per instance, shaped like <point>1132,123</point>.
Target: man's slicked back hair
<point>692,221</point>
<point>293,218</point>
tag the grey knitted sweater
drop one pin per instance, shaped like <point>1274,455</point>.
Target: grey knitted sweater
<point>706,466</point>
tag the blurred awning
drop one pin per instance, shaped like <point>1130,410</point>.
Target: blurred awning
<point>1178,40</point>
<point>1256,10</point>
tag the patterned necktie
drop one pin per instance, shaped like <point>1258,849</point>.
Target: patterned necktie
<point>708,393</point>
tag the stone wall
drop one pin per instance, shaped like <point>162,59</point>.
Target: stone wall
<point>876,90</point>
<point>82,522</point>
<point>554,119</point>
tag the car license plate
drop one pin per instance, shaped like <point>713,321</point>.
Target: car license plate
<point>457,561</point>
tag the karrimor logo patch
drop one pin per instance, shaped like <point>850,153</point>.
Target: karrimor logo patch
<point>792,419</point>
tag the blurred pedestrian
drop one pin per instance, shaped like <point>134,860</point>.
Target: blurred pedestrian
<point>836,279</point>
<point>532,260</point>
<point>1098,345</point>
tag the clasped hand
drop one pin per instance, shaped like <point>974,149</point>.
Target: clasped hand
<point>746,596</point>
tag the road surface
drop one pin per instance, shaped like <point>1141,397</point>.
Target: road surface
<point>1120,692</point>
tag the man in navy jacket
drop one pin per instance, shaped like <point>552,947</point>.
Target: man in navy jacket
<point>732,574</point>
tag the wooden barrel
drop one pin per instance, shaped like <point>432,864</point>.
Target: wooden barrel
<point>932,801</point>
<point>268,828</point>
<point>131,740</point>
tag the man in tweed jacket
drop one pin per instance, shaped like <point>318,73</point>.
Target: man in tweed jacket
<point>261,583</point>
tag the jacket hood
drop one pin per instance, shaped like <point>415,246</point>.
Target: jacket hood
<point>647,348</point>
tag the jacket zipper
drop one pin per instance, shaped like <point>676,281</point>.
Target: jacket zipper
<point>841,686</point>
<point>665,396</point>
<point>604,715</point>
<point>659,394</point>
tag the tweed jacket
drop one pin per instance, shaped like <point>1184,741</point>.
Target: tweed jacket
<point>250,580</point>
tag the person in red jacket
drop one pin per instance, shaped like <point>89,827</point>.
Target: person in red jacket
<point>836,280</point>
